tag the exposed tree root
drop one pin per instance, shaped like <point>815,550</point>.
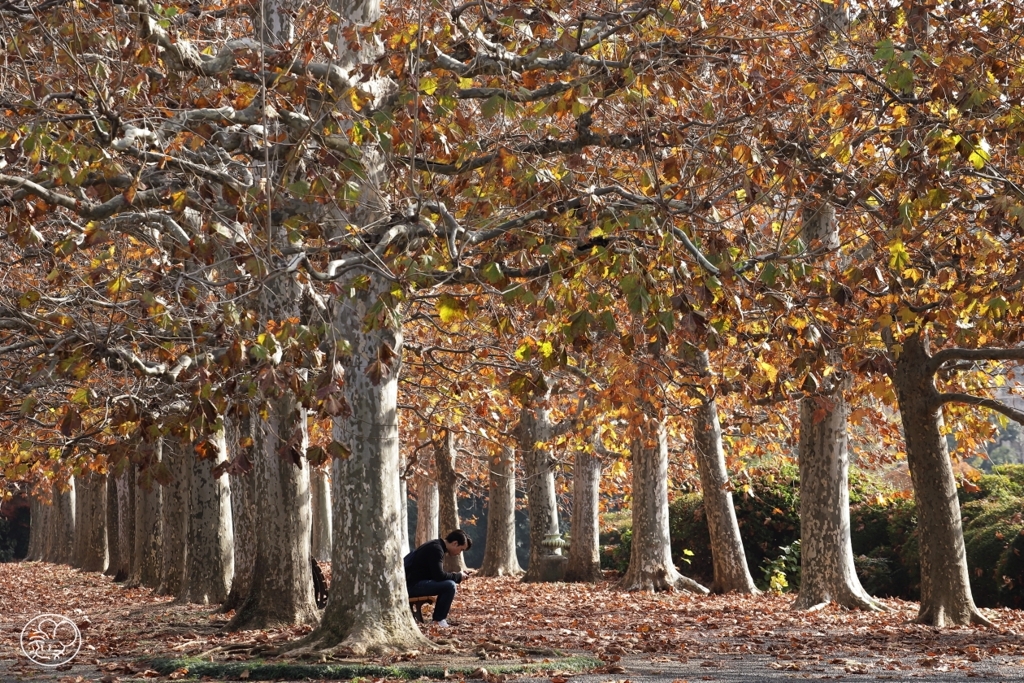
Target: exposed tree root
<point>850,600</point>
<point>660,580</point>
<point>978,619</point>
<point>367,638</point>
<point>940,618</point>
<point>687,584</point>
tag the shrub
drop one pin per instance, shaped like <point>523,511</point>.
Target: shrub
<point>883,533</point>
<point>616,540</point>
<point>990,526</point>
<point>8,541</point>
<point>688,529</point>
<point>1011,571</point>
<point>782,574</point>
<point>883,529</point>
<point>1013,472</point>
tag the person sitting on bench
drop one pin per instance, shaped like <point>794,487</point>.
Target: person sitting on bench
<point>425,574</point>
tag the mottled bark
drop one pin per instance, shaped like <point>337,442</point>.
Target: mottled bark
<point>448,494</point>
<point>90,551</point>
<point>146,565</point>
<point>282,585</point>
<point>126,529</point>
<point>320,487</point>
<point>426,508</point>
<point>730,562</point>
<point>61,543</point>
<point>282,588</point>
<point>584,545</point>
<point>535,428</point>
<point>826,551</point>
<point>238,427</point>
<point>500,557</point>
<point>174,510</point>
<point>369,610</point>
<point>209,561</point>
<point>650,560</point>
<point>945,584</point>
<point>113,526</point>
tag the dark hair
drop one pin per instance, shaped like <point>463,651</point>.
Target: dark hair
<point>461,537</point>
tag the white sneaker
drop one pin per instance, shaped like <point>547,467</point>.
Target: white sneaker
<point>442,624</point>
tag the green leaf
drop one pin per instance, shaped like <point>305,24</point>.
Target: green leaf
<point>980,154</point>
<point>28,298</point>
<point>450,309</point>
<point>884,50</point>
<point>492,273</point>
<point>428,85</point>
<point>492,106</point>
<point>899,258</point>
<point>996,307</point>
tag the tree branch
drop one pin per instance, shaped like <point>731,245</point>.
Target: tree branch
<point>955,353</point>
<point>990,403</point>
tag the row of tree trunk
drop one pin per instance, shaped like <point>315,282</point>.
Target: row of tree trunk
<point>194,538</point>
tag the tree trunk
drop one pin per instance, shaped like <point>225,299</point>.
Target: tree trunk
<point>500,557</point>
<point>90,553</point>
<point>147,565</point>
<point>535,427</point>
<point>113,526</point>
<point>321,510</point>
<point>62,542</point>
<point>368,611</point>
<point>126,529</point>
<point>174,510</point>
<point>40,521</point>
<point>426,508</point>
<point>730,562</point>
<point>826,551</point>
<point>209,560</point>
<point>650,560</point>
<point>945,584</point>
<point>448,495</point>
<point>403,525</point>
<point>282,585</point>
<point>584,546</point>
<point>238,429</point>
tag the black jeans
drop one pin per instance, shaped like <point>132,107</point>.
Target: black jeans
<point>444,590</point>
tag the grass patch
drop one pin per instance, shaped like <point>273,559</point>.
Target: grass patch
<point>274,671</point>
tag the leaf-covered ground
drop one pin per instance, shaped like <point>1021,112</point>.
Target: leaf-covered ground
<point>501,622</point>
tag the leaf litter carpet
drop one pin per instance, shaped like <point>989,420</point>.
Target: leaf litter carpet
<point>501,620</point>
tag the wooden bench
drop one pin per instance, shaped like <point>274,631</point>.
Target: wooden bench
<point>416,605</point>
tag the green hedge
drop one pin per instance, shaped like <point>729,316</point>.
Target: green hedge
<point>883,532</point>
<point>767,511</point>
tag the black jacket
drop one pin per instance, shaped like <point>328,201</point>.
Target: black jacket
<point>424,564</point>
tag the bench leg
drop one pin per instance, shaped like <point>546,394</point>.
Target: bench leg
<point>417,611</point>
